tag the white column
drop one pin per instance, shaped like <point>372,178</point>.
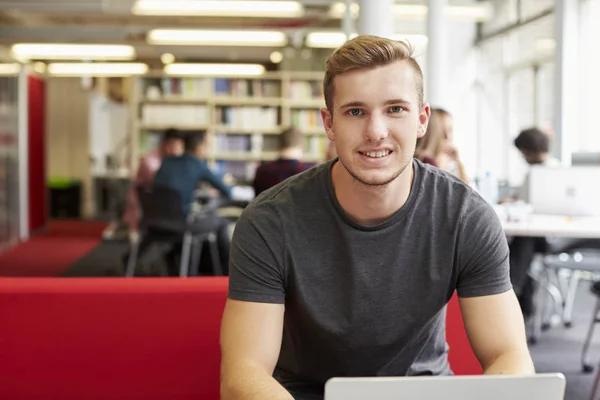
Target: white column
<point>435,74</point>
<point>566,78</point>
<point>376,17</point>
<point>23,110</point>
<point>347,22</point>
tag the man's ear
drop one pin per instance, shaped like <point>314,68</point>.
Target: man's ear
<point>424,115</point>
<point>328,123</point>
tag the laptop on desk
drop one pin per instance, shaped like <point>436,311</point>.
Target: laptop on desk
<point>480,387</point>
<point>571,191</point>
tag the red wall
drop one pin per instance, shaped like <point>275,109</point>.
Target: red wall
<point>38,209</point>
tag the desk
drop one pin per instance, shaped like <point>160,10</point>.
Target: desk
<point>537,225</point>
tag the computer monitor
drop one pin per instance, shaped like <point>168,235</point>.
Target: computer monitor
<point>585,158</point>
<point>488,387</point>
<point>570,191</point>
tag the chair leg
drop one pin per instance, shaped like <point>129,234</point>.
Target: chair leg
<point>132,259</point>
<point>185,255</point>
<point>570,298</point>
<point>596,386</point>
<point>214,254</point>
<point>196,254</point>
<point>585,364</point>
<point>540,306</point>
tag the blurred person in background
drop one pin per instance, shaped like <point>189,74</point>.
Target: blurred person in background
<point>288,163</point>
<point>184,174</point>
<point>534,146</point>
<point>437,147</point>
<point>171,144</point>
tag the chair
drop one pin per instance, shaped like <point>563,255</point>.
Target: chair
<point>566,262</point>
<point>164,222</point>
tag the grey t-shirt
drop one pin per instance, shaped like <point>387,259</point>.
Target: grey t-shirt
<point>365,301</point>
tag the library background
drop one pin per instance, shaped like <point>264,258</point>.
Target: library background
<point>88,88</point>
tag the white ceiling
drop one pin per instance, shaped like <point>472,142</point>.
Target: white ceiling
<point>110,21</point>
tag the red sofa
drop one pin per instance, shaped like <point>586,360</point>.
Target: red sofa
<point>150,338</point>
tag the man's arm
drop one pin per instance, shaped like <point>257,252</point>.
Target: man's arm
<point>496,331</point>
<point>252,327</point>
<point>491,313</point>
<point>206,174</point>
<point>250,343</point>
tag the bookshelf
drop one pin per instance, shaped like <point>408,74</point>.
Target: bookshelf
<point>242,115</point>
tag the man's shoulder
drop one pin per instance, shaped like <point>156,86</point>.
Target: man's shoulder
<point>292,190</point>
<point>442,189</point>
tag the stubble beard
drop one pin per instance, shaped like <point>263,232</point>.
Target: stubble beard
<point>375,184</point>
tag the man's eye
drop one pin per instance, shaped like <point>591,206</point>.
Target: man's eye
<point>396,109</point>
<point>355,112</point>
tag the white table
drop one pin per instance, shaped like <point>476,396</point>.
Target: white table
<point>537,225</point>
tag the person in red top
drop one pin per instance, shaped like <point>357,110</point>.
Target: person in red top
<point>289,163</point>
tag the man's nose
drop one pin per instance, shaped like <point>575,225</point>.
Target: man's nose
<point>376,129</point>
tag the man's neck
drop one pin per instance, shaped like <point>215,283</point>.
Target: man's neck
<point>370,205</point>
<point>293,153</point>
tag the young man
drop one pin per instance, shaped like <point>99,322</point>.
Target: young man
<point>171,145</point>
<point>346,269</point>
<point>534,146</point>
<point>289,162</point>
<point>184,174</point>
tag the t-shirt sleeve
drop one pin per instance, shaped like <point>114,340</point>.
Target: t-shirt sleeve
<point>256,268</point>
<point>483,255</point>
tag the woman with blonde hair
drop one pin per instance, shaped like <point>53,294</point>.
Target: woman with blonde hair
<point>437,148</point>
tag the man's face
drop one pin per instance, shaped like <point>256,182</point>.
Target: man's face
<point>533,157</point>
<point>173,147</point>
<point>376,121</point>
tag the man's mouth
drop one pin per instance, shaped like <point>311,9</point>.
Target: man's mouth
<point>376,154</point>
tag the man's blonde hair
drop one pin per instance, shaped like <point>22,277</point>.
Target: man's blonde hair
<point>364,52</point>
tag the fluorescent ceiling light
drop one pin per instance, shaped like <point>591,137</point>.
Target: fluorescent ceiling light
<point>9,69</point>
<point>217,37</point>
<point>336,39</point>
<point>188,69</point>
<point>475,12</point>
<point>59,51</point>
<point>223,8</point>
<point>97,69</point>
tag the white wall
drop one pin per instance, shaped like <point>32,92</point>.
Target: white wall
<point>109,123</point>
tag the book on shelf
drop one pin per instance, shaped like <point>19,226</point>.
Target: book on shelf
<point>247,87</point>
<point>169,87</point>
<point>176,115</point>
<point>305,90</point>
<point>307,119</point>
<point>241,171</point>
<point>232,143</point>
<point>247,117</point>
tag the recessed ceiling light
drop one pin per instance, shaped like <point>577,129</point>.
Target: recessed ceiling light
<point>276,57</point>
<point>222,8</point>
<point>167,58</point>
<point>62,51</point>
<point>217,37</point>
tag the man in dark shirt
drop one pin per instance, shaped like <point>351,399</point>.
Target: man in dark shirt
<point>184,174</point>
<point>269,174</point>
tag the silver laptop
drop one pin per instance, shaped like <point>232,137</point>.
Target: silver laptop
<point>571,191</point>
<point>479,387</point>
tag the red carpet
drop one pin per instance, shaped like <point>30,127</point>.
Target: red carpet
<point>51,252</point>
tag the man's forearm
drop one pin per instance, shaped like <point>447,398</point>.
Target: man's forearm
<point>249,382</point>
<point>513,363</point>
